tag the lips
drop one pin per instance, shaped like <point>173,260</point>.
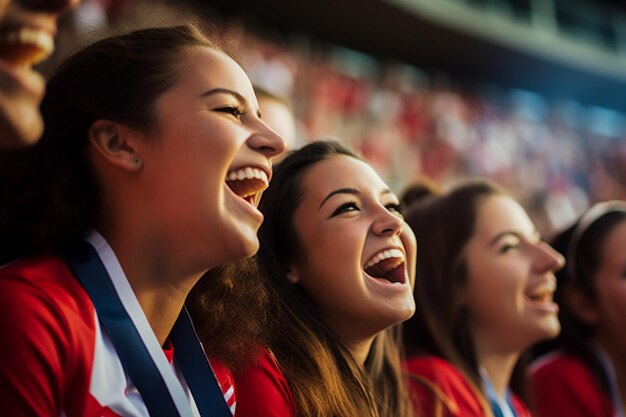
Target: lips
<point>20,49</point>
<point>387,265</point>
<point>248,183</point>
<point>25,47</point>
<point>541,294</point>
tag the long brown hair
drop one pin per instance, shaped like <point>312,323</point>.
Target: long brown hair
<point>322,375</point>
<point>445,223</point>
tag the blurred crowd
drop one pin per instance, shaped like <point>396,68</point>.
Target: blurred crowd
<point>556,157</point>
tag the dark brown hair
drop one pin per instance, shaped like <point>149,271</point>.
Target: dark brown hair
<point>230,308</point>
<point>580,273</point>
<point>49,193</point>
<point>322,375</point>
<point>418,190</point>
<point>443,226</point>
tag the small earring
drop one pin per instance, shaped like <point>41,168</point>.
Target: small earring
<point>138,162</point>
<point>292,277</point>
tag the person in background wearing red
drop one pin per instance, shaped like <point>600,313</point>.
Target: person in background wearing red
<point>483,291</point>
<point>338,258</point>
<point>149,174</point>
<point>585,373</point>
<point>27,30</point>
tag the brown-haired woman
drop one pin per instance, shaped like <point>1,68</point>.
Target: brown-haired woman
<point>153,150</point>
<point>483,293</point>
<point>338,256</point>
<point>585,373</point>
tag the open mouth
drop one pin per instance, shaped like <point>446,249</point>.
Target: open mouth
<point>25,47</point>
<point>248,183</point>
<point>542,293</point>
<point>387,266</point>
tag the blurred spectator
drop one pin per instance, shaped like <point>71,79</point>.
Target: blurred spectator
<point>277,113</point>
<point>556,158</point>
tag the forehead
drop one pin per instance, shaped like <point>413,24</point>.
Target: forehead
<point>500,213</point>
<point>205,68</point>
<point>341,171</point>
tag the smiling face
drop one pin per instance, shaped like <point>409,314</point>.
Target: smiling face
<point>510,279</point>
<point>610,285</point>
<point>204,172</point>
<point>27,32</point>
<point>356,253</point>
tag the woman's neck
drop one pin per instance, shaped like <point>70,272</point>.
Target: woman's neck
<point>499,367</point>
<point>359,349</point>
<point>160,286</point>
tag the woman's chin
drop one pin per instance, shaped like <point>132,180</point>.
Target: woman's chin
<point>244,246</point>
<point>20,126</point>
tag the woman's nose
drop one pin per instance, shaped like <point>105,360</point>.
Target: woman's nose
<point>388,223</point>
<point>548,259</point>
<point>266,141</point>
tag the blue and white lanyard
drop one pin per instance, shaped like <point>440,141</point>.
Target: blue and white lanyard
<point>136,345</point>
<point>498,407</point>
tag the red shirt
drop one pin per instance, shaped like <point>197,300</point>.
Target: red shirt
<point>56,360</point>
<point>263,391</point>
<point>449,390</point>
<point>562,385</point>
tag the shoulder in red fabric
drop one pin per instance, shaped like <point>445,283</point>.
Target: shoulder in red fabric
<point>436,384</point>
<point>562,385</point>
<point>48,324</point>
<point>263,391</point>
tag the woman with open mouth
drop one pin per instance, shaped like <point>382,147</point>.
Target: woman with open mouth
<point>149,174</point>
<point>483,291</point>
<point>27,31</point>
<point>337,255</point>
<point>584,375</point>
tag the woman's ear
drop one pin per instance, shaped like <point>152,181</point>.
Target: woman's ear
<point>581,305</point>
<point>116,143</point>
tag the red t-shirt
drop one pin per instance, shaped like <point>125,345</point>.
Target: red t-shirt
<point>55,358</point>
<point>450,391</point>
<point>562,385</point>
<point>263,391</point>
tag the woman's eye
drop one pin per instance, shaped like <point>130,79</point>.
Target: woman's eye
<point>344,208</point>
<point>395,208</point>
<point>508,247</point>
<point>231,110</point>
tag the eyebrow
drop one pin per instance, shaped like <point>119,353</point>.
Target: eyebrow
<point>351,191</point>
<point>220,90</point>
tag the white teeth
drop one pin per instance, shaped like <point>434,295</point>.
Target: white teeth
<point>542,291</point>
<point>382,255</point>
<point>39,38</point>
<point>248,173</point>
